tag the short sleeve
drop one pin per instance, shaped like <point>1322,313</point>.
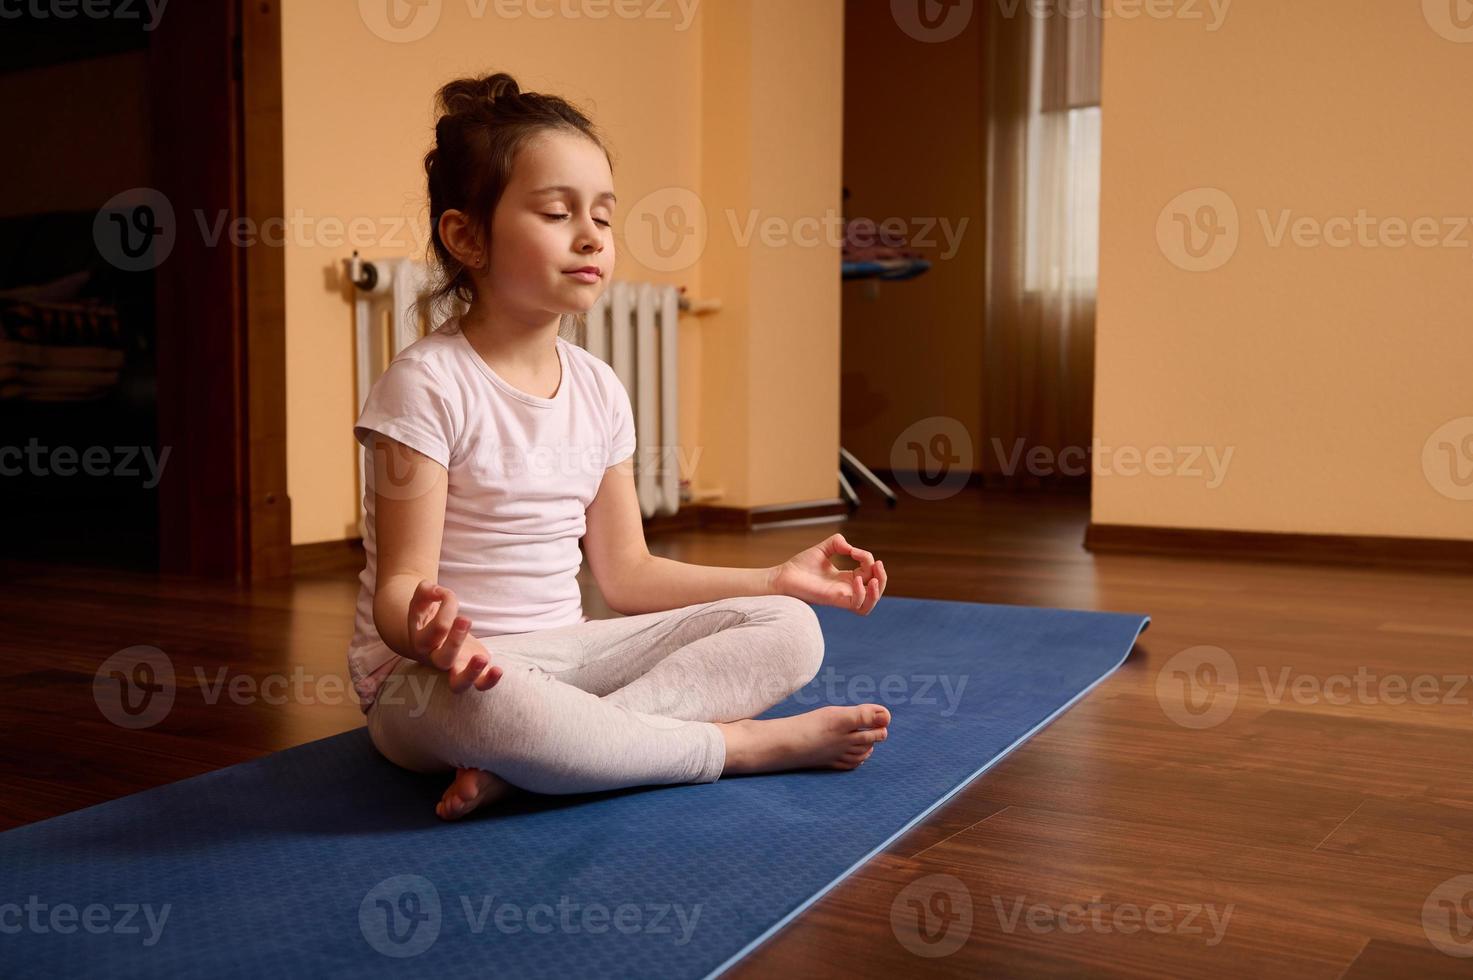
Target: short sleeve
<point>621,444</point>
<point>410,404</point>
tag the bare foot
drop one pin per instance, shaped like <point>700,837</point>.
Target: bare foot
<point>471,789</point>
<point>833,737</point>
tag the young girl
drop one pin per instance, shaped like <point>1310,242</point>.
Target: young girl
<point>492,445</point>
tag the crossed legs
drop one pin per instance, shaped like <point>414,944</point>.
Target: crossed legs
<point>657,698</point>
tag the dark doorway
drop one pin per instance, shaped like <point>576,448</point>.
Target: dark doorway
<point>141,397</point>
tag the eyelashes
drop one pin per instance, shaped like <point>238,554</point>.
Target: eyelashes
<point>559,217</point>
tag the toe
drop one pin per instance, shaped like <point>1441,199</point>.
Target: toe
<point>459,795</point>
<point>470,784</point>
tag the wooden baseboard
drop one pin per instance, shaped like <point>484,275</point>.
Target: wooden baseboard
<point>1440,554</point>
<point>1017,482</point>
<point>323,557</point>
<point>710,517</point>
<point>773,515</point>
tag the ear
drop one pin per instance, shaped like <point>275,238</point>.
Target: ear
<point>461,237</point>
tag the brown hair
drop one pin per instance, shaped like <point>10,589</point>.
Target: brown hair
<point>483,123</point>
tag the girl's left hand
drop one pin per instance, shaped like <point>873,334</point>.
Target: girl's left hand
<point>810,576</point>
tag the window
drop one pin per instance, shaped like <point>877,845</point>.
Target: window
<point>1062,170</point>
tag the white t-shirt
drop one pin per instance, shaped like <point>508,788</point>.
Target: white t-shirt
<point>522,472</point>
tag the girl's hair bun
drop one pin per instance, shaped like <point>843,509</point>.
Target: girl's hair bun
<point>475,96</point>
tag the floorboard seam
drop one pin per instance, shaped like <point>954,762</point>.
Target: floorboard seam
<point>962,831</point>
<point>1342,823</point>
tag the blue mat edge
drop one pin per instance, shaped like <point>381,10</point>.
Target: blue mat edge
<point>804,905</point>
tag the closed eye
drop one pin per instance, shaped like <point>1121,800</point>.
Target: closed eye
<point>560,216</point>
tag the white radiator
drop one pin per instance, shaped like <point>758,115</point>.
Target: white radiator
<point>633,328</point>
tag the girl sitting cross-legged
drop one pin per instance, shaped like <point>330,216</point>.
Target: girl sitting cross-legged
<point>492,446</point>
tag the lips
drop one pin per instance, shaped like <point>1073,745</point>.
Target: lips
<point>585,274</point>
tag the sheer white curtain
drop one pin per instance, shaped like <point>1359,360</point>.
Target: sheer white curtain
<point>1042,71</point>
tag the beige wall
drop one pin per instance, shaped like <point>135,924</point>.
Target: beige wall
<point>1325,369</point>
<point>740,106</point>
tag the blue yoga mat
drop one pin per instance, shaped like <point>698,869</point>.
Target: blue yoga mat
<point>325,860</point>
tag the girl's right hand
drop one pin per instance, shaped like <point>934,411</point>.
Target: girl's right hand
<point>442,639</point>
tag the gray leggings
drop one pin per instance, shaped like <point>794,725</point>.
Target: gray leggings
<point>608,703</point>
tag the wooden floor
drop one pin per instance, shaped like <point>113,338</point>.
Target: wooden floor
<point>1171,824</point>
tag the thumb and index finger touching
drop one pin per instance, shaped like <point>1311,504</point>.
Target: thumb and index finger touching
<point>836,544</point>
<point>431,599</point>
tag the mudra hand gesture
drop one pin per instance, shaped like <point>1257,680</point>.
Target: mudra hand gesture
<point>810,576</point>
<point>442,639</point>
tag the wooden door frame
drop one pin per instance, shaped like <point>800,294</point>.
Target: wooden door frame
<point>215,93</point>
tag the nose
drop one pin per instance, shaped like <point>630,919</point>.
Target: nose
<point>590,240</point>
